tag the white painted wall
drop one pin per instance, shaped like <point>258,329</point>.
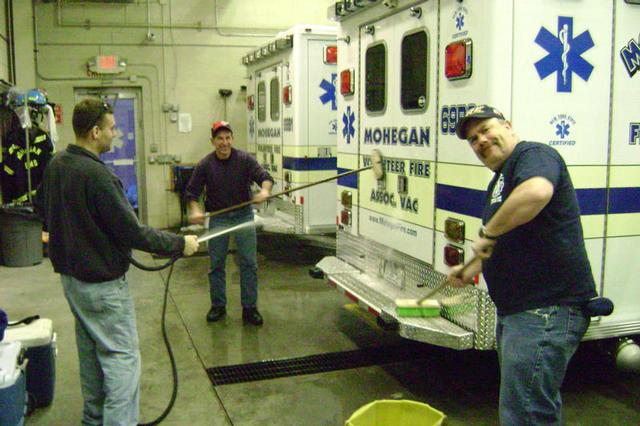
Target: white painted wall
<point>23,32</point>
<point>193,54</point>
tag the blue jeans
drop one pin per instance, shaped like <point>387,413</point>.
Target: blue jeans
<point>108,351</point>
<point>246,244</point>
<point>534,349</point>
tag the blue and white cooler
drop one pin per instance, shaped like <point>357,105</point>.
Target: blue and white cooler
<point>13,394</point>
<point>39,342</point>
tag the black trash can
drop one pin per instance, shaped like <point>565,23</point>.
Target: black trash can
<point>21,236</point>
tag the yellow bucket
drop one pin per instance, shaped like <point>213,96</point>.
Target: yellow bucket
<point>396,413</point>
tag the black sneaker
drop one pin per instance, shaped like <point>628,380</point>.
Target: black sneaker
<point>252,316</point>
<point>216,313</point>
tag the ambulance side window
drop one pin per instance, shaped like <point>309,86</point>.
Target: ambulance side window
<point>262,101</point>
<point>375,83</point>
<point>274,91</point>
<point>413,88</point>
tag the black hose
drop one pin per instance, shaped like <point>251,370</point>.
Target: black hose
<point>26,321</point>
<point>174,370</point>
<point>169,262</point>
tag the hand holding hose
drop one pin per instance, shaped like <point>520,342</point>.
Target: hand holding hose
<point>190,245</point>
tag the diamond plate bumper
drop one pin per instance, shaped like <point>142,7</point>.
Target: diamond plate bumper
<point>376,297</point>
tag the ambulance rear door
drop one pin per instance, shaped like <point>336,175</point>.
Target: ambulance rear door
<point>475,68</point>
<point>251,114</point>
<point>621,268</point>
<point>347,138</point>
<point>397,116</point>
<point>269,122</point>
<point>561,97</point>
<point>321,133</point>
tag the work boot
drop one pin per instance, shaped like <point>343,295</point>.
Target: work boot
<point>216,313</point>
<point>252,316</point>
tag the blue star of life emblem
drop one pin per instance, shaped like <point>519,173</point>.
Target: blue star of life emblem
<point>562,129</point>
<point>564,54</point>
<point>459,21</point>
<point>348,118</point>
<point>329,91</point>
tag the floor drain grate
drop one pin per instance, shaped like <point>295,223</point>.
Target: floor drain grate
<point>322,363</point>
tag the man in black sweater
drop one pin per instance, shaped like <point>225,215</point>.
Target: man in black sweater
<point>227,174</point>
<point>92,229</point>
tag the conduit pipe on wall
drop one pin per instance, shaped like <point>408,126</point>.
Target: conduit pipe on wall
<point>242,46</point>
<point>37,43</point>
<point>231,31</point>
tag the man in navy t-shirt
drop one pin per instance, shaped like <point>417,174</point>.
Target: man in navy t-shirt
<point>534,262</point>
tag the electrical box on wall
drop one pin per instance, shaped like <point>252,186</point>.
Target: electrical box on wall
<point>106,64</point>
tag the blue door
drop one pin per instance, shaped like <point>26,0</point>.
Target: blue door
<point>122,157</point>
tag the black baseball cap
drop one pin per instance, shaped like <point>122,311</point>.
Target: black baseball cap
<point>479,112</point>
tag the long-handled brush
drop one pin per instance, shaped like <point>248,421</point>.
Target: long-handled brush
<point>425,306</point>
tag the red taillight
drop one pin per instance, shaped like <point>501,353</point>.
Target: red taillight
<point>286,94</point>
<point>330,54</point>
<point>345,217</point>
<point>457,59</point>
<point>346,82</point>
<point>453,256</point>
<point>250,104</point>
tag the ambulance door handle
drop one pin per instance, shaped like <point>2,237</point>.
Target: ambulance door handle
<point>416,12</point>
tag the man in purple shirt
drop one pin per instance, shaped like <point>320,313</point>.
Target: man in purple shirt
<point>226,175</point>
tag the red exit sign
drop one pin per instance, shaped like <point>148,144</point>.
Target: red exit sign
<point>107,64</point>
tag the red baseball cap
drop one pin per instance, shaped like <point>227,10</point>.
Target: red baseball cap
<point>220,125</point>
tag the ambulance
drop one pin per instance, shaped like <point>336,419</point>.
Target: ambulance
<point>564,72</point>
<point>292,126</point>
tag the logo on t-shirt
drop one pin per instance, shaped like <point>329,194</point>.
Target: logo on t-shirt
<point>496,195</point>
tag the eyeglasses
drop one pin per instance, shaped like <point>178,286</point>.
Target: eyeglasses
<point>105,108</point>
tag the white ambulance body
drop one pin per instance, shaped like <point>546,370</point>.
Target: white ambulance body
<point>291,106</point>
<point>564,72</point>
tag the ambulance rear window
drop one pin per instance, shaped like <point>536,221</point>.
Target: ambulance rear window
<point>375,83</point>
<point>413,90</point>
<point>274,89</point>
<point>262,101</point>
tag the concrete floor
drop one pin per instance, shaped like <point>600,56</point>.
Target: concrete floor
<point>303,317</point>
